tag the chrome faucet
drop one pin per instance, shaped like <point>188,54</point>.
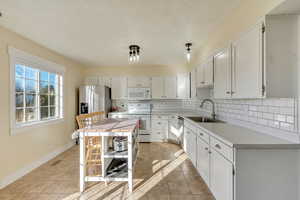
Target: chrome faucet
<point>213,114</point>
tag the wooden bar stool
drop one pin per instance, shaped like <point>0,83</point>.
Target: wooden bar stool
<point>92,144</point>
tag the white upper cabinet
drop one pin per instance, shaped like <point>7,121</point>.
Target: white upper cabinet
<point>258,56</point>
<point>247,64</point>
<point>119,87</point>
<point>200,76</point>
<point>105,80</point>
<point>183,86</point>
<point>163,87</point>
<point>222,74</point>
<point>139,81</point>
<point>281,55</point>
<point>91,80</point>
<point>170,87</point>
<point>205,74</point>
<point>209,72</point>
<point>194,83</point>
<point>157,86</point>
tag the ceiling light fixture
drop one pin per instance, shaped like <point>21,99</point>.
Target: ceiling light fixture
<point>188,51</point>
<point>134,53</point>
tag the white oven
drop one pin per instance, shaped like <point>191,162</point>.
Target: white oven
<point>139,93</point>
<point>141,111</point>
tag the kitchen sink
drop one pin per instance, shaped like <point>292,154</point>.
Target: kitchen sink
<point>204,119</point>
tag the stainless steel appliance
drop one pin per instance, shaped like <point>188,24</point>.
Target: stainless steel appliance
<point>139,93</point>
<point>120,144</point>
<point>175,133</point>
<point>94,98</point>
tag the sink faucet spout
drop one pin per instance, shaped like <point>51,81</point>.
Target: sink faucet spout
<point>213,114</point>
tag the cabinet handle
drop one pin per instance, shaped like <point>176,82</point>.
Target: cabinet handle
<point>232,92</point>
<point>201,134</point>
<point>227,92</point>
<point>159,123</point>
<point>218,146</point>
<point>202,82</point>
<point>206,148</point>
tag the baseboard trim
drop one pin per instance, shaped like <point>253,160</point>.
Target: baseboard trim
<point>25,170</point>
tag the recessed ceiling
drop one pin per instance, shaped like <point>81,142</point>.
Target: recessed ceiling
<point>98,32</point>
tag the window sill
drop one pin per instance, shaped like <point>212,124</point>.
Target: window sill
<point>28,126</point>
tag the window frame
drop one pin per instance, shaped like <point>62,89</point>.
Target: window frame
<point>20,57</point>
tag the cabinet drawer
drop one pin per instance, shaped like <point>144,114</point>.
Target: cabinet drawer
<point>157,135</point>
<point>190,126</point>
<point>160,117</point>
<point>159,124</point>
<point>204,136</point>
<point>222,148</point>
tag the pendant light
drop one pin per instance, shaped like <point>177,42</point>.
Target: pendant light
<point>134,53</point>
<point>188,51</point>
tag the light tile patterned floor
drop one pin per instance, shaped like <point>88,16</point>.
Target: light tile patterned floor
<point>162,172</point>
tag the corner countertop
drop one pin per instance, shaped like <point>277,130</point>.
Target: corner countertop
<point>244,138</point>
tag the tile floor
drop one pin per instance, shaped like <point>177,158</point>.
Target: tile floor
<point>162,172</point>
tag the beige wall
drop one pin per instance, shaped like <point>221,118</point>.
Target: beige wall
<point>17,151</point>
<point>239,20</point>
<point>134,70</point>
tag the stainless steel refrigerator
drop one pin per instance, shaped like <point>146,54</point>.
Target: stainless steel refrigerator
<point>94,98</point>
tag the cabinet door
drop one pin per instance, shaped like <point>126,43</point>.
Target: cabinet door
<point>183,89</point>
<point>185,139</point>
<point>170,87</point>
<point>107,81</point>
<point>139,81</point>
<point>203,159</point>
<point>247,65</point>
<point>193,83</point>
<point>91,80</point>
<point>200,76</point>
<point>209,72</point>
<point>222,72</point>
<point>157,85</point>
<point>221,177</point>
<point>193,150</point>
<point>119,87</point>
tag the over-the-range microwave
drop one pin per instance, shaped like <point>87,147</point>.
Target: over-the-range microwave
<point>139,93</point>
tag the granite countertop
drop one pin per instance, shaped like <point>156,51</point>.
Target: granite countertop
<point>244,138</point>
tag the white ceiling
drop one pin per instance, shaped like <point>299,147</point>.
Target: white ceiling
<point>287,7</point>
<point>98,32</point>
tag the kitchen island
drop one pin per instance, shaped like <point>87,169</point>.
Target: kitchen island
<point>96,157</point>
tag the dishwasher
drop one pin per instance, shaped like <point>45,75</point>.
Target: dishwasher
<point>175,133</point>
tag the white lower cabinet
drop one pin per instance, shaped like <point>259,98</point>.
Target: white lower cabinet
<point>208,156</point>
<point>159,128</point>
<point>221,176</point>
<point>203,159</point>
<point>247,172</point>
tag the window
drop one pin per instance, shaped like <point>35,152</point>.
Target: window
<point>37,90</point>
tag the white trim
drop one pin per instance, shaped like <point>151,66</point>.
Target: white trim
<point>29,126</point>
<point>25,170</point>
<point>20,57</point>
<point>35,61</point>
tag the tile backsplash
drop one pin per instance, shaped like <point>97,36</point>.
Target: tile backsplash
<point>277,117</point>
